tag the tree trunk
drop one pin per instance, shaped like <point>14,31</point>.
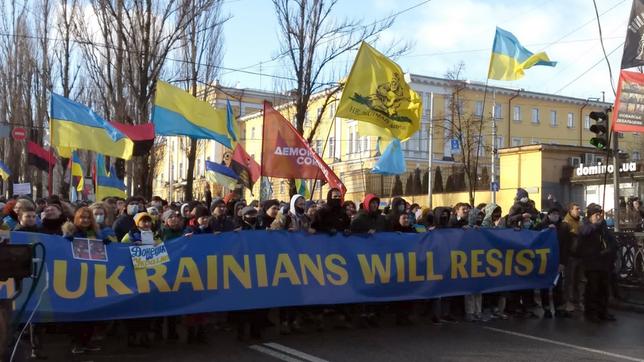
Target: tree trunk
<point>190,180</point>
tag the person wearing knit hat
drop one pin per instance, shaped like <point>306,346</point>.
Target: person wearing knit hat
<point>52,219</point>
<point>249,218</point>
<point>216,202</point>
<point>267,213</point>
<point>172,226</point>
<point>598,249</point>
<point>522,214</point>
<point>142,233</point>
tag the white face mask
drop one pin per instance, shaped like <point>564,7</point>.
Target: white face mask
<point>132,209</point>
<point>99,219</point>
<point>524,199</point>
<point>553,218</point>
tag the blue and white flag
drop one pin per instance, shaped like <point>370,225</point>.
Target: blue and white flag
<point>221,174</point>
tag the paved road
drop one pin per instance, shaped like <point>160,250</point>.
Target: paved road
<point>512,340</point>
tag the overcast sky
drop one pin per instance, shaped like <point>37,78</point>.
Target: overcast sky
<point>446,32</point>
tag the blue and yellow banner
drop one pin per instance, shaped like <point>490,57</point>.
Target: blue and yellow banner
<point>262,269</point>
<point>73,125</point>
<point>177,113</point>
<point>4,171</point>
<point>510,59</point>
<point>78,175</point>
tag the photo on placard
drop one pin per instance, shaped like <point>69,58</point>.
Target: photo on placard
<point>80,249</point>
<point>97,250</point>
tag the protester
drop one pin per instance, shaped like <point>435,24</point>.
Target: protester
<point>267,214</point>
<point>220,222</point>
<point>27,220</point>
<point>172,227</point>
<point>142,233</point>
<point>460,218</point>
<point>125,222</point>
<point>332,218</point>
<point>598,251</point>
<point>574,276</point>
<point>522,214</point>
<point>203,225</point>
<point>370,219</point>
<point>103,215</point>
<point>52,219</point>
<point>350,209</point>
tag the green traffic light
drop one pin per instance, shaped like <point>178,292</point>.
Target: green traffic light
<point>599,142</point>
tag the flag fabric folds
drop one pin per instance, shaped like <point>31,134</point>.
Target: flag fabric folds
<point>107,183</point>
<point>231,124</point>
<point>4,171</point>
<point>377,92</point>
<point>142,135</point>
<point>392,161</point>
<point>40,157</point>
<point>78,176</point>
<point>74,125</point>
<point>177,113</point>
<point>510,59</point>
<point>221,174</point>
<point>302,188</point>
<point>633,55</point>
<point>286,154</point>
<point>245,166</point>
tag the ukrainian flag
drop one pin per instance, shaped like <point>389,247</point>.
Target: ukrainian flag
<point>109,185</point>
<point>78,176</point>
<point>4,171</point>
<point>231,124</point>
<point>510,59</point>
<point>221,174</point>
<point>177,113</point>
<point>302,188</point>
<point>74,125</point>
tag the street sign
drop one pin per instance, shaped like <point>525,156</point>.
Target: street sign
<point>494,186</point>
<point>18,133</point>
<point>455,145</point>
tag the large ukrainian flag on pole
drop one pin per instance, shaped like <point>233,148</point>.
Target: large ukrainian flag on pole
<point>510,59</point>
<point>73,125</point>
<point>376,92</point>
<point>177,113</point>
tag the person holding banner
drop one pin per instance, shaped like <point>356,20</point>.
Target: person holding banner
<point>172,226</point>
<point>267,213</point>
<point>142,233</point>
<point>370,219</point>
<point>103,216</point>
<point>220,222</point>
<point>202,216</point>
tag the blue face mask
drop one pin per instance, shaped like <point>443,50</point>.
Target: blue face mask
<point>527,225</point>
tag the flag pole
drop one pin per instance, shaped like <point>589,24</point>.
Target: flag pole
<point>430,148</point>
<point>317,173</point>
<point>261,168</point>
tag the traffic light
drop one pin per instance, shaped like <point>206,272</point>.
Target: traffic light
<point>600,129</point>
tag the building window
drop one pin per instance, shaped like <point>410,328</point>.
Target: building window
<point>620,134</point>
<point>553,118</point>
<point>424,140</point>
<point>516,141</point>
<point>352,130</point>
<point>497,111</point>
<point>365,143</point>
<point>587,122</point>
<point>252,133</point>
<point>535,115</point>
<point>331,152</point>
<point>318,147</point>
<point>499,142</point>
<point>180,170</point>
<point>517,113</point>
<point>571,120</point>
<point>478,108</point>
<point>635,156</point>
<point>198,167</point>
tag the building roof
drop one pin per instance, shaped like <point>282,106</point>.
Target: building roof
<point>479,86</point>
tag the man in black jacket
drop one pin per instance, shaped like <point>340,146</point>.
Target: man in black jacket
<point>522,214</point>
<point>598,252</point>
<point>332,217</point>
<point>460,218</point>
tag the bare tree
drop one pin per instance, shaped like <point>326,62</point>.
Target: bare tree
<point>202,49</point>
<point>310,40</point>
<point>467,128</point>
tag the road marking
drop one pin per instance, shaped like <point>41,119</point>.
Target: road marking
<point>274,353</point>
<point>563,344</point>
<point>294,352</point>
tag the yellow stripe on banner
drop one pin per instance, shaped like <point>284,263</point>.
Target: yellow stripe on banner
<point>74,135</point>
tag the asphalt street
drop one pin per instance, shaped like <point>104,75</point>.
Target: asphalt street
<point>511,340</point>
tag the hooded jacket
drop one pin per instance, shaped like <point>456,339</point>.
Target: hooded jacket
<point>263,220</point>
<point>439,222</point>
<point>394,213</point>
<point>296,220</point>
<point>489,211</point>
<point>331,217</point>
<point>366,220</point>
<point>515,216</point>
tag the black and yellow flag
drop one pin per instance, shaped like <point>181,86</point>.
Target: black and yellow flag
<point>376,92</point>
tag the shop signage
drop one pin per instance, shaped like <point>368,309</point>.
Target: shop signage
<point>601,169</point>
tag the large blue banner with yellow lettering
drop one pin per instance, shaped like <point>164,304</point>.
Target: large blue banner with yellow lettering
<point>262,269</point>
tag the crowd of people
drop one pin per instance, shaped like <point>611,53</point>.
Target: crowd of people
<point>587,255</point>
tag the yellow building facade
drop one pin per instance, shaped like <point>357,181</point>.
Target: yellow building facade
<point>522,118</point>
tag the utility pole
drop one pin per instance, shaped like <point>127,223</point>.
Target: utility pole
<point>615,180</point>
<point>430,116</point>
<point>493,171</point>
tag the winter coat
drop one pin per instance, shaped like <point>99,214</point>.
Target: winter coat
<point>53,226</point>
<point>487,220</point>
<point>515,216</point>
<point>122,225</point>
<point>168,234</point>
<point>220,224</point>
<point>366,220</point>
<point>598,247</point>
<point>134,236</point>
<point>442,223</point>
<point>331,218</point>
<point>570,233</point>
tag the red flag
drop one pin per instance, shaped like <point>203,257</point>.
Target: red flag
<point>40,157</point>
<point>245,166</point>
<point>285,153</point>
<point>627,112</point>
